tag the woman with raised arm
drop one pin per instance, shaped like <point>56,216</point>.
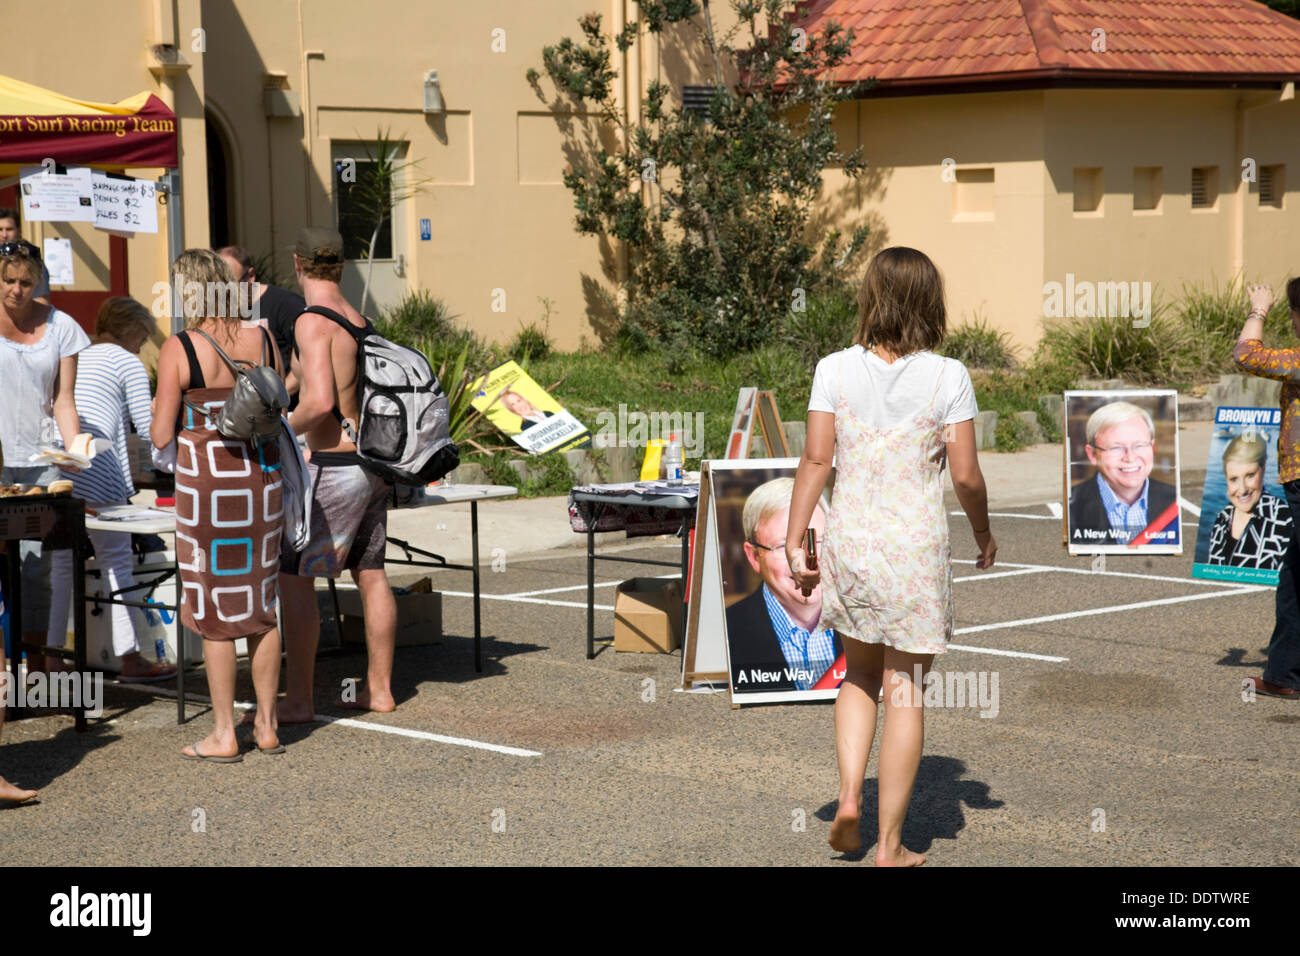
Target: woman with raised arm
<point>889,412</point>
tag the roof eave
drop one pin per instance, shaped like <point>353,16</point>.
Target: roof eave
<point>1074,79</point>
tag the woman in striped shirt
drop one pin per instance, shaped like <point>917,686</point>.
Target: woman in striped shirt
<point>112,387</point>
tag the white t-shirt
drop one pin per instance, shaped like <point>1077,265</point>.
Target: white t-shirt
<point>27,374</point>
<point>882,394</point>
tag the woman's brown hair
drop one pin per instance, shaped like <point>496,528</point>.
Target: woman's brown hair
<point>122,317</point>
<point>901,305</point>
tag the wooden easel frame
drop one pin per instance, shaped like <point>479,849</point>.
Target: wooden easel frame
<point>690,639</point>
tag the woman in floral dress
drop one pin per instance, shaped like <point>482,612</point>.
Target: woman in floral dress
<point>889,413</point>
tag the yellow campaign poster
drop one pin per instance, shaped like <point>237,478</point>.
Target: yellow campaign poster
<point>526,412</point>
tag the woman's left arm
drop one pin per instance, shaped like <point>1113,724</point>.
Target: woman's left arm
<point>65,405</point>
<point>809,482</point>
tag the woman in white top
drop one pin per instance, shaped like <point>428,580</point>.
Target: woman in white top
<point>38,371</point>
<point>889,412</point>
<point>112,389</point>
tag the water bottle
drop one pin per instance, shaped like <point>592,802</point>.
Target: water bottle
<point>673,461</point>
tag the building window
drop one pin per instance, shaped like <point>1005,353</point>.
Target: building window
<point>1148,188</point>
<point>972,195</point>
<point>1087,189</point>
<point>1205,187</point>
<point>1272,185</point>
<point>356,195</point>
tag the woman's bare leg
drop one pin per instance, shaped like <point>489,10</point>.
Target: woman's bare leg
<point>219,660</point>
<point>900,751</point>
<point>855,729</point>
<point>8,791</point>
<point>264,653</point>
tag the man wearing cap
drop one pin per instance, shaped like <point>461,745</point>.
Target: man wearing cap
<point>349,520</point>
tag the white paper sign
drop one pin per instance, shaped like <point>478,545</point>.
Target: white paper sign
<point>57,197</point>
<point>124,205</point>
<point>58,260</point>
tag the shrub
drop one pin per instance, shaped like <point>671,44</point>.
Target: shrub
<point>976,344</point>
<point>423,322</point>
<point>825,326</point>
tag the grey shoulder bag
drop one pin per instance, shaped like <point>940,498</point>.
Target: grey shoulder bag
<point>252,413</point>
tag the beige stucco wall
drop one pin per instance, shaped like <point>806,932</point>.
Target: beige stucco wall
<point>502,220</point>
<point>991,267</point>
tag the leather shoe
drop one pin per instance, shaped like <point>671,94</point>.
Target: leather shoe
<point>1263,687</point>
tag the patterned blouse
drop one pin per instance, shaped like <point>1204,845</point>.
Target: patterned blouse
<point>1263,542</point>
<point>1281,365</point>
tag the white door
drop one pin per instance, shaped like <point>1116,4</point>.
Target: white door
<point>354,201</point>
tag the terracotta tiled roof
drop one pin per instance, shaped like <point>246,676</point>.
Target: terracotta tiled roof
<point>959,42</point>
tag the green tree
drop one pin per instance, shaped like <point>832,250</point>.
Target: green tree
<point>1290,7</point>
<point>715,208</point>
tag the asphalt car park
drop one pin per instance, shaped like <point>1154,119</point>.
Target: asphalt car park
<point>1119,736</point>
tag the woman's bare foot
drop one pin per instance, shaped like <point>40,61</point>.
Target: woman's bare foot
<point>14,794</point>
<point>845,837</point>
<point>898,856</point>
<point>214,746</point>
<point>377,703</point>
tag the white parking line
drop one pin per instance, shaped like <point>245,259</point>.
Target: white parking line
<point>352,722</point>
<point>1090,612</point>
<point>1189,506</point>
<point>1013,514</point>
<point>1001,653</point>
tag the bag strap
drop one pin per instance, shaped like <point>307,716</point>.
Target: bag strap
<point>230,363</point>
<point>356,333</point>
<point>358,336</point>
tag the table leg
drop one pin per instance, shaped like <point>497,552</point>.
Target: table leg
<point>478,626</point>
<point>79,618</point>
<point>338,616</point>
<point>13,578</point>
<point>686,565</point>
<point>14,601</point>
<point>591,590</point>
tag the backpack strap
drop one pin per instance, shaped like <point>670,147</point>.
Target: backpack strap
<point>230,363</point>
<point>358,336</point>
<point>356,333</point>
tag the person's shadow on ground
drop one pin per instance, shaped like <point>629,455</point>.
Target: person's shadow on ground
<point>35,764</point>
<point>935,812</point>
<point>1235,657</point>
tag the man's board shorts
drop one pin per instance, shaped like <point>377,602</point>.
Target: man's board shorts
<point>349,519</point>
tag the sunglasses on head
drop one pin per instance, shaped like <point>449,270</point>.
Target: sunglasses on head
<point>19,249</point>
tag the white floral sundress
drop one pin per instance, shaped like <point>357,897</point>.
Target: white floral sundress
<point>886,564</point>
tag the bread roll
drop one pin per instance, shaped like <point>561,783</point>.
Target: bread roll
<point>59,487</point>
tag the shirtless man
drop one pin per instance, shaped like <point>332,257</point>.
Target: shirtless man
<point>349,521</point>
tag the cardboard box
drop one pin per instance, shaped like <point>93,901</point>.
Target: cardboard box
<point>419,618</point>
<point>648,616</point>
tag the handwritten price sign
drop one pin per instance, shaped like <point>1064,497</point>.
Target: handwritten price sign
<point>125,205</point>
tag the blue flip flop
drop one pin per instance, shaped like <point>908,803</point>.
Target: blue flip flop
<point>237,758</point>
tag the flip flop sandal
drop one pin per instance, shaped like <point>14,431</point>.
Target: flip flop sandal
<point>277,749</point>
<point>237,758</point>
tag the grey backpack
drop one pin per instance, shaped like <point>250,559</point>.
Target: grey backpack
<point>252,412</point>
<point>404,432</point>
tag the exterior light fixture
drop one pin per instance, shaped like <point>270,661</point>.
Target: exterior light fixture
<point>433,103</point>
